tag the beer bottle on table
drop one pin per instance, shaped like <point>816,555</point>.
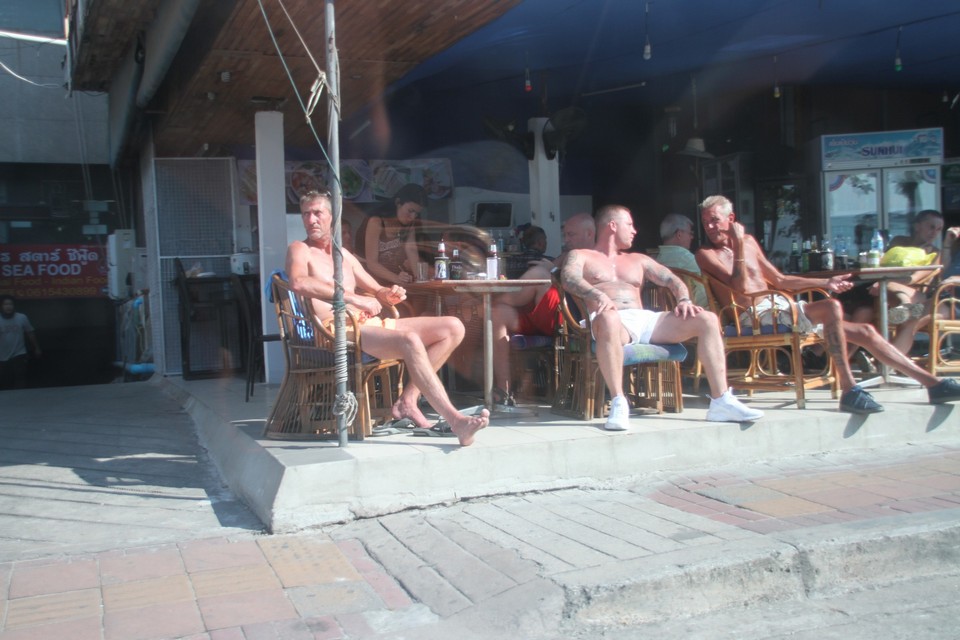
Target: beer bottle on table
<point>826,256</point>
<point>805,257</point>
<point>441,262</point>
<point>456,267</point>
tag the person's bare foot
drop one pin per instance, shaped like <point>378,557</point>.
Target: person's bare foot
<point>404,409</point>
<point>466,427</point>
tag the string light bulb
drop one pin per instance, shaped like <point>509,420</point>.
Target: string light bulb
<point>647,49</point>
<point>776,83</point>
<point>897,62</point>
<point>527,85</point>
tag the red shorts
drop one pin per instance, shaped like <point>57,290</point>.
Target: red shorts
<point>542,320</point>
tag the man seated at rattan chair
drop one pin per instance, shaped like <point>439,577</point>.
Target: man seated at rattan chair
<point>735,259</point>
<point>533,311</point>
<point>609,281</point>
<point>424,343</point>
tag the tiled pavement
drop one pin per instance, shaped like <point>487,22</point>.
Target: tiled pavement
<point>413,572</point>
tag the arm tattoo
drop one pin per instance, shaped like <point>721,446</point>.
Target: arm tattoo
<point>662,276</point>
<point>572,277</point>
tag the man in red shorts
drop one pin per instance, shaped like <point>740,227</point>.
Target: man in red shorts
<point>532,311</point>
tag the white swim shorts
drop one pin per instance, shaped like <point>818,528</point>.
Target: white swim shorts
<point>639,323</point>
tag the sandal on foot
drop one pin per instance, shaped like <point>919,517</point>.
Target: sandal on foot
<point>393,427</point>
<point>440,430</point>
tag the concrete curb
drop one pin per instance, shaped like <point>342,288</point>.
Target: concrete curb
<point>792,565</point>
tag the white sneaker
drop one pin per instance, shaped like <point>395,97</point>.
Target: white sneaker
<point>727,408</point>
<point>619,418</point>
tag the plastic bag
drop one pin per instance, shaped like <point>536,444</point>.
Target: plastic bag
<point>907,257</point>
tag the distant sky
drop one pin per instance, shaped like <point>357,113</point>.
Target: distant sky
<point>38,17</point>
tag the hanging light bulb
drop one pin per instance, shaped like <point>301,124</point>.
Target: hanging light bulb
<point>527,86</point>
<point>647,49</point>
<point>776,83</point>
<point>897,62</point>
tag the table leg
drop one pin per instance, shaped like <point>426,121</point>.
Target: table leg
<point>884,328</point>
<point>487,352</point>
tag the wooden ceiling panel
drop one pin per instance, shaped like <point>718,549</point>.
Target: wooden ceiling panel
<point>378,41</point>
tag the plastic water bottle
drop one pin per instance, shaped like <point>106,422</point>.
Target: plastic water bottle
<point>876,249</point>
<point>493,271</point>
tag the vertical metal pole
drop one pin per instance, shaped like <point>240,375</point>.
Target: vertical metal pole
<point>333,150</point>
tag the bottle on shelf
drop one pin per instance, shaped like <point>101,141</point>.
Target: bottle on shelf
<point>794,265</point>
<point>805,257</point>
<point>827,262</point>
<point>513,245</point>
<point>441,263</point>
<point>500,247</point>
<point>814,261</point>
<point>493,268</point>
<point>840,259</point>
<point>456,266</point>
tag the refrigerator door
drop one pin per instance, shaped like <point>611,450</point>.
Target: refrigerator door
<point>905,192</point>
<point>851,205</point>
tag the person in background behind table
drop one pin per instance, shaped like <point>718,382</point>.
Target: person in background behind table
<point>16,333</point>
<point>424,343</point>
<point>389,244</point>
<point>676,236</point>
<point>532,311</point>
<point>735,259</point>
<point>609,281</point>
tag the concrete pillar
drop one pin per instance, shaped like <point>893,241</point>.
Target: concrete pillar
<point>272,223</point>
<point>545,189</point>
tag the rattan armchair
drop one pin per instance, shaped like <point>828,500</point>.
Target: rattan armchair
<point>944,328</point>
<point>306,404</point>
<point>769,345</point>
<point>651,371</point>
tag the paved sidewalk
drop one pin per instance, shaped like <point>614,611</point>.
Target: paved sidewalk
<point>535,565</point>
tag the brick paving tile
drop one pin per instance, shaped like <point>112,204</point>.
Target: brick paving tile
<point>942,481</point>
<point>785,507</point>
<point>140,564</point>
<point>219,553</point>
<point>233,633</point>
<point>278,630</point>
<point>136,595</point>
<point>746,514</point>
<point>387,588</point>
<point>6,568</point>
<point>913,506</point>
<point>51,608</point>
<point>325,628</point>
<point>354,625</point>
<point>218,582</point>
<point>53,576</point>
<point>845,497</point>
<point>770,525</point>
<point>165,620</point>
<point>245,608</point>
<point>80,629</point>
<point>358,556</point>
<point>728,518</point>
<point>301,562</point>
<point>901,490</point>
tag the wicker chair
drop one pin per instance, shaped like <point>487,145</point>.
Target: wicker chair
<point>944,329</point>
<point>304,407</point>
<point>765,345</point>
<point>651,371</point>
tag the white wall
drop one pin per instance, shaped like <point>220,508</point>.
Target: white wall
<point>40,123</point>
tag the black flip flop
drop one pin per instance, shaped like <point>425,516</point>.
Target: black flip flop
<point>392,428</point>
<point>440,430</point>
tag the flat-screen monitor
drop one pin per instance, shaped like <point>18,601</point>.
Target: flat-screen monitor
<point>493,215</point>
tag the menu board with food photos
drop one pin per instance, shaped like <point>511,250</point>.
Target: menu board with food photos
<point>360,180</point>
